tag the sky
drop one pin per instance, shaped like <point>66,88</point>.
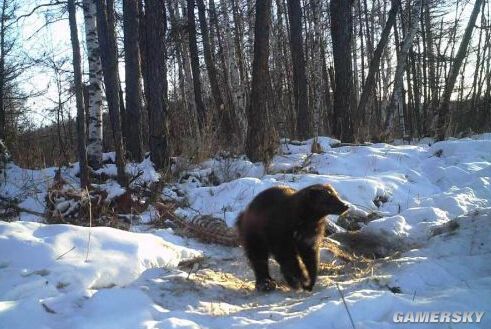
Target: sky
<point>37,38</point>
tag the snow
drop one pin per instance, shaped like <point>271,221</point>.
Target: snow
<point>132,279</point>
<point>48,264</point>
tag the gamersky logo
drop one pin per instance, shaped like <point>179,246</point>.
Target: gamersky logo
<point>438,317</point>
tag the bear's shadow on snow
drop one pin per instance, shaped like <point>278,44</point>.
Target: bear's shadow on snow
<point>228,281</point>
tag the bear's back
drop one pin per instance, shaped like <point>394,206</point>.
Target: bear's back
<point>271,198</point>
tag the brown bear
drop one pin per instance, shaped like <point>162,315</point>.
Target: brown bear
<point>287,224</point>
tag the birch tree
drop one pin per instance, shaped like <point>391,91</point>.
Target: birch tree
<point>95,104</point>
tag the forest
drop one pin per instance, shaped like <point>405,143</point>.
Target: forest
<point>236,76</point>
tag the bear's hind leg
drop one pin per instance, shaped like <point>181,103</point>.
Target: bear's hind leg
<point>257,253</point>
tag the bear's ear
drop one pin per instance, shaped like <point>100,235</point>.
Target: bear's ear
<point>328,188</point>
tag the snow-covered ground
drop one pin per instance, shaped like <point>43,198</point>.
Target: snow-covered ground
<point>51,276</point>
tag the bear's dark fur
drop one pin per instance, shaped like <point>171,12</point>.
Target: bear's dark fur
<point>288,225</point>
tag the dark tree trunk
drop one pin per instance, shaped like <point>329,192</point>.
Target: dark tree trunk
<point>142,42</point>
<point>419,126</point>
<point>260,144</point>
<point>341,33</point>
<point>155,88</point>
<point>193,51</point>
<point>77,72</point>
<point>454,72</point>
<point>109,58</point>
<point>2,73</point>
<point>303,114</point>
<point>134,94</point>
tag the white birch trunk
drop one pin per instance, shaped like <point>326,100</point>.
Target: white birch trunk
<point>94,145</point>
<point>396,98</point>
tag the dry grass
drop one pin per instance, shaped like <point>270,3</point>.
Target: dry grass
<point>345,264</point>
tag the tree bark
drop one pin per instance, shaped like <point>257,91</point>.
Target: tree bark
<point>318,78</point>
<point>419,128</point>
<point>133,76</point>
<point>341,33</point>
<point>157,108</point>
<point>77,73</point>
<point>260,144</point>
<point>304,118</point>
<point>109,58</point>
<point>94,147</point>
<point>2,73</point>
<point>454,72</point>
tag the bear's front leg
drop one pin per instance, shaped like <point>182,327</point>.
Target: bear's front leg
<point>309,252</point>
<point>287,256</point>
